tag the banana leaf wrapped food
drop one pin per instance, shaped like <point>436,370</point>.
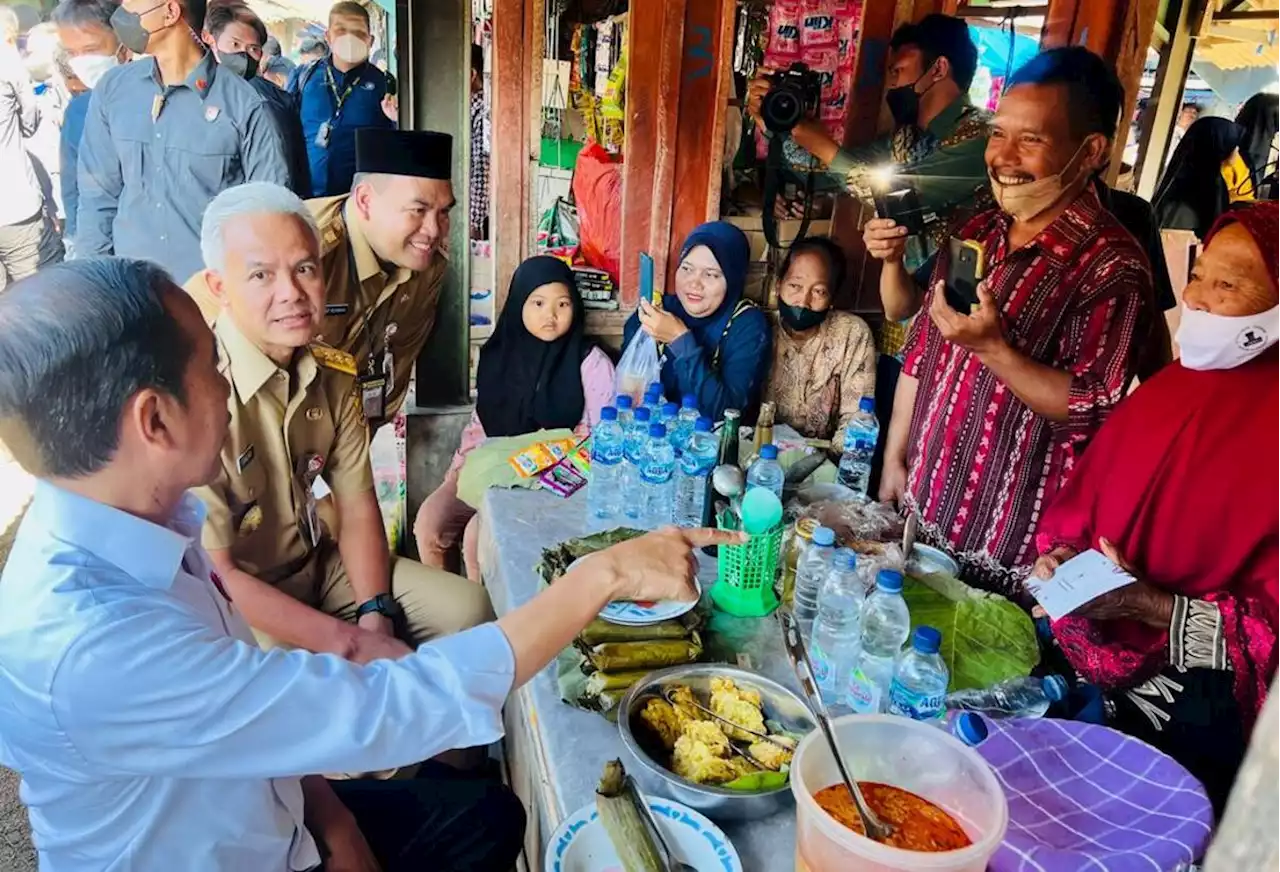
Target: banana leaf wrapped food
<point>647,655</point>
<point>617,802</point>
<point>556,561</point>
<point>600,630</point>
<point>599,682</point>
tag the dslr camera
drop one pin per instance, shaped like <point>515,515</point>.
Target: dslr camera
<point>794,94</point>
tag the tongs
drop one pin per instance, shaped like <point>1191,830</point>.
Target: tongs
<point>655,831</point>
<point>667,693</point>
<point>875,828</point>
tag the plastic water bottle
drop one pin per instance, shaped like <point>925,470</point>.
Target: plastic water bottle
<point>604,494</point>
<point>919,688</point>
<point>657,478</point>
<point>670,420</point>
<point>697,460</point>
<point>653,400</point>
<point>837,630</point>
<point>1015,698</point>
<point>811,575</point>
<point>968,727</point>
<point>766,472</point>
<point>633,444</point>
<point>885,625</point>
<point>626,414</point>
<point>687,418</point>
<point>860,439</point>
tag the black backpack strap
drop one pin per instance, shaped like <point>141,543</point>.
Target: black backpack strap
<point>300,84</point>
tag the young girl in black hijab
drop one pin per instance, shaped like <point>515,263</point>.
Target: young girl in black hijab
<point>537,372</point>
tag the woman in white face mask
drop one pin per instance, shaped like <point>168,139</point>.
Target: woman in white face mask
<point>92,50</point>
<point>1179,487</point>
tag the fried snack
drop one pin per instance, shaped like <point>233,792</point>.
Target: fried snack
<point>683,700</point>
<point>702,754</point>
<point>770,755</point>
<point>741,707</point>
<point>659,716</point>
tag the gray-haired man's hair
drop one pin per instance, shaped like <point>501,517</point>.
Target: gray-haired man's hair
<point>84,13</point>
<point>77,341</point>
<point>9,24</point>
<point>251,198</point>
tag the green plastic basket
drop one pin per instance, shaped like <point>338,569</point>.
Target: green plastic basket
<point>745,574</point>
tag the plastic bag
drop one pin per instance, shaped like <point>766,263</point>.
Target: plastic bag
<point>597,189</point>
<point>638,368</point>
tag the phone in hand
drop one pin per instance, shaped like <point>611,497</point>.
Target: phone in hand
<point>903,206</point>
<point>966,265</point>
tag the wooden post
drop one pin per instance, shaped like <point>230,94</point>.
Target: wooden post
<point>655,30</point>
<point>706,81</point>
<point>1118,32</point>
<point>510,163</point>
<point>1166,95</point>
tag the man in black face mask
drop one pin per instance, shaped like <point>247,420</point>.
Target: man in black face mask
<point>237,36</point>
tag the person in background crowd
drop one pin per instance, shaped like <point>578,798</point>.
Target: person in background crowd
<point>24,221</point>
<point>236,35</point>
<point>276,71</point>
<point>294,582</point>
<point>537,372</point>
<point>480,147</point>
<point>131,680</point>
<point>310,50</point>
<point>164,137</point>
<point>271,49</point>
<point>995,404</point>
<point>936,146</point>
<point>1205,175</point>
<point>84,29</point>
<point>338,96</point>
<point>382,259</point>
<point>1188,115</point>
<point>1259,118</point>
<point>1186,653</point>
<point>823,360</point>
<point>41,51</point>
<point>713,343</point>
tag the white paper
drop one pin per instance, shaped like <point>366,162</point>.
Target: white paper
<point>320,488</point>
<point>1080,580</point>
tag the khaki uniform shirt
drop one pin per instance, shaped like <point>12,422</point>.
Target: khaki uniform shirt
<point>380,319</point>
<point>287,428</point>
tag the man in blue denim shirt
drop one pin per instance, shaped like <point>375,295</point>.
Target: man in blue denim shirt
<point>337,96</point>
<point>164,136</point>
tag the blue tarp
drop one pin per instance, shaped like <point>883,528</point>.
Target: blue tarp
<point>993,48</point>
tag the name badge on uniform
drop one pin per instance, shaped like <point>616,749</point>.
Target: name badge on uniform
<point>337,309</point>
<point>373,396</point>
<point>211,113</point>
<point>323,134</point>
<point>244,459</point>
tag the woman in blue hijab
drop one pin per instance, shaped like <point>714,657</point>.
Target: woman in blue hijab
<point>714,344</point>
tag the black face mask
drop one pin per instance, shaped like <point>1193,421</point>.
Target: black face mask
<point>799,319</point>
<point>238,63</point>
<point>129,30</point>
<point>904,101</point>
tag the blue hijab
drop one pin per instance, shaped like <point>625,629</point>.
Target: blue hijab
<point>733,253</point>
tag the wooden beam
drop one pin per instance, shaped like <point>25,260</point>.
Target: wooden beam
<point>706,81</point>
<point>1247,15</point>
<point>510,168</point>
<point>1118,32</point>
<point>654,39</point>
<point>1166,93</point>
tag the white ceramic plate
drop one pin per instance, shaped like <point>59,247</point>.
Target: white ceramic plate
<point>630,614</point>
<point>582,845</point>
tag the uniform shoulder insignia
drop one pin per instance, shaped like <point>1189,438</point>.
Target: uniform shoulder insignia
<point>333,358</point>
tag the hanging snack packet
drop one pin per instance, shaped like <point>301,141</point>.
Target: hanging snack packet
<point>784,35</point>
<point>818,29</point>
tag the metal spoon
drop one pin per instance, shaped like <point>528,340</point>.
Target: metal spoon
<point>646,815</point>
<point>909,537</point>
<point>667,693</point>
<point>875,828</point>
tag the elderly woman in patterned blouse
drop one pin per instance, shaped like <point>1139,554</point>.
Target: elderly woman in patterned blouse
<point>1179,488</point>
<point>823,360</point>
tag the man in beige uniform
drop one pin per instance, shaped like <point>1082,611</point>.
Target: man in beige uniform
<point>295,417</point>
<point>382,259</point>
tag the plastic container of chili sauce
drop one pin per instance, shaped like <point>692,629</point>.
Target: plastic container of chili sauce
<point>910,755</point>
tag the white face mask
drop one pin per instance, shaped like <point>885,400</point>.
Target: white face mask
<point>1209,341</point>
<point>91,68</point>
<point>350,49</point>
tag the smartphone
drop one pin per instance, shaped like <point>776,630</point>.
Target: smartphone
<point>966,264</point>
<point>903,206</point>
<point>646,280</point>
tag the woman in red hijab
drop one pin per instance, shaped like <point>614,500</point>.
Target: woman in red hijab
<point>1180,488</point>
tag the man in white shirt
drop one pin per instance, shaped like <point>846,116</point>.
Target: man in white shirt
<point>149,730</point>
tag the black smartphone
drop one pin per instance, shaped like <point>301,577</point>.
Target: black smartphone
<point>966,262</point>
<point>903,206</point>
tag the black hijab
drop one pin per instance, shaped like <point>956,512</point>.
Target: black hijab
<point>1192,192</point>
<point>522,383</point>
<point>1259,118</point>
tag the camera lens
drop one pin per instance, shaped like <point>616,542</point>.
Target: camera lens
<point>781,109</point>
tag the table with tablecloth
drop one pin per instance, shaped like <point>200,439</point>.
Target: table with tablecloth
<point>555,752</point>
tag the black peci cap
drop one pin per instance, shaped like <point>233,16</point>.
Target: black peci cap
<point>421,153</point>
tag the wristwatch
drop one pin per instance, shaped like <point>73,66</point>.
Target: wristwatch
<point>383,604</point>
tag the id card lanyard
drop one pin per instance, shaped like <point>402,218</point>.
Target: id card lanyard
<point>379,364</point>
<point>325,132</point>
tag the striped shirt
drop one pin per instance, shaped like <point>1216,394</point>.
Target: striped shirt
<point>982,466</point>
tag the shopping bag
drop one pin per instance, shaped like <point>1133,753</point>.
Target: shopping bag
<point>639,367</point>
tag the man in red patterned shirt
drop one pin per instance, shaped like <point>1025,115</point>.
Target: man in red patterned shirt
<point>995,405</point>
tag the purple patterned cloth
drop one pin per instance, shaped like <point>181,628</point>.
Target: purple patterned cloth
<point>1085,797</point>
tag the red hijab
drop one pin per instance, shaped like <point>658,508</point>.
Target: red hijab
<point>1183,479</point>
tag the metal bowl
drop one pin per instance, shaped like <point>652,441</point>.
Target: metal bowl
<point>927,560</point>
<point>780,705</point>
